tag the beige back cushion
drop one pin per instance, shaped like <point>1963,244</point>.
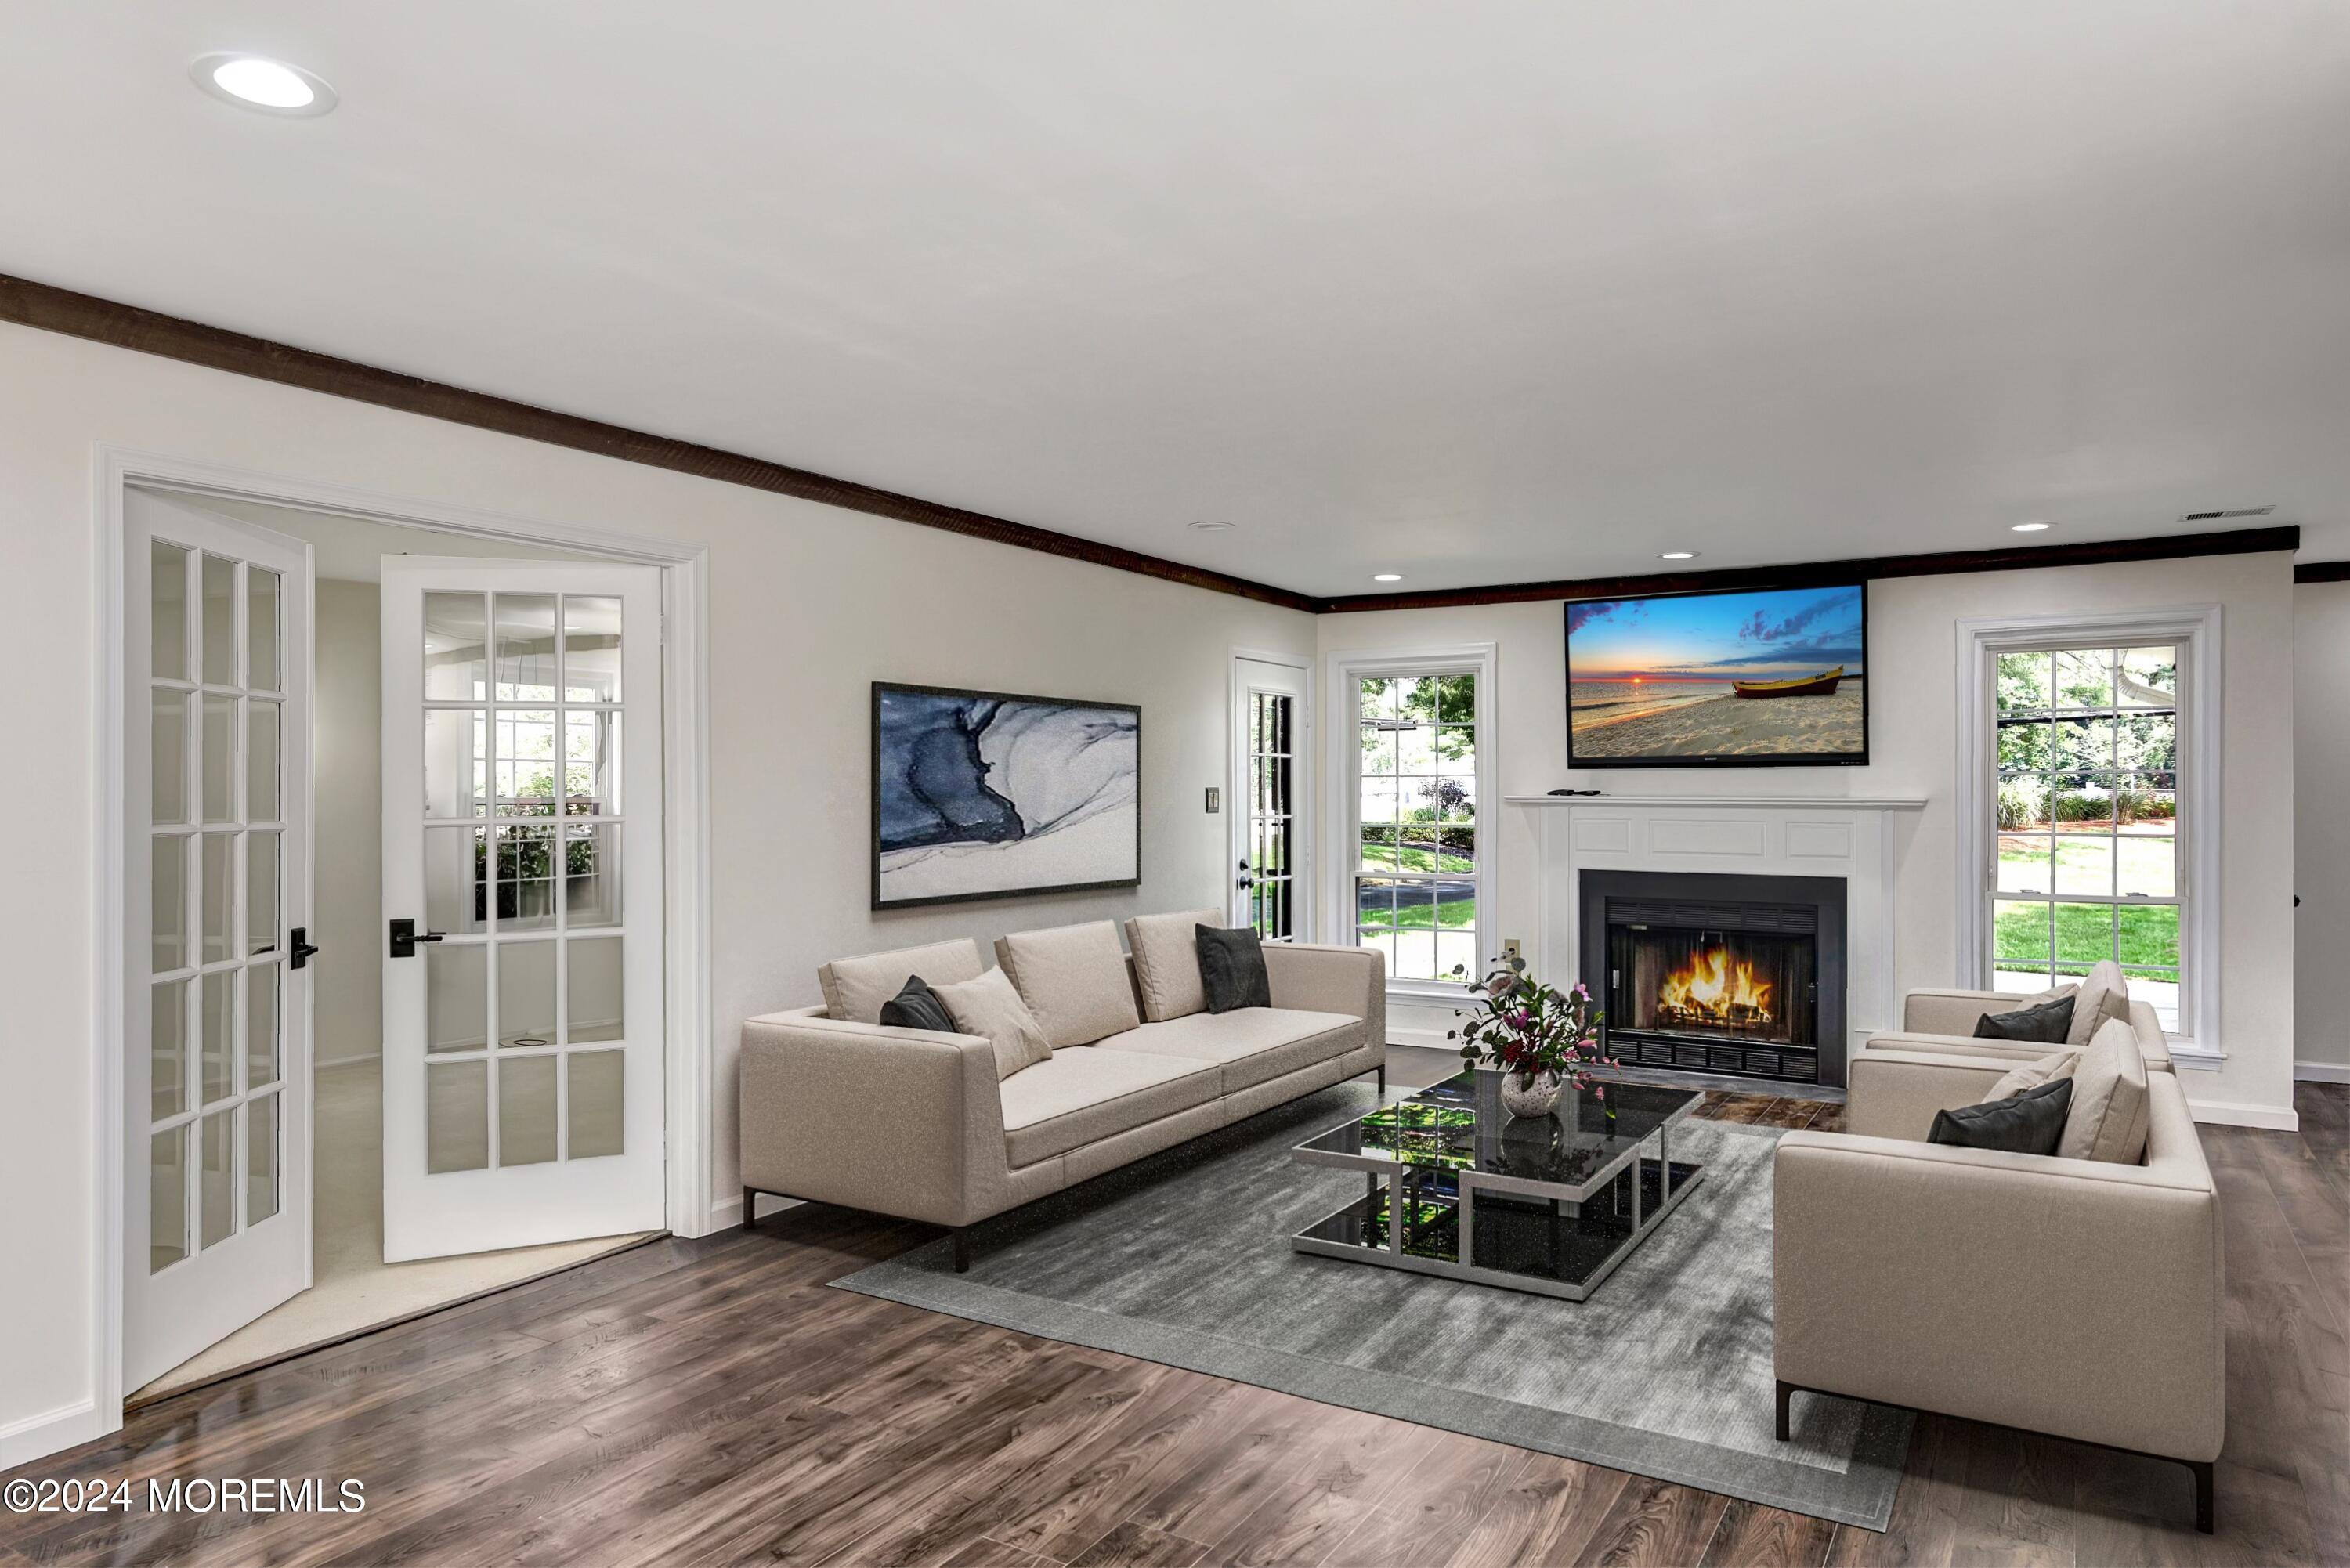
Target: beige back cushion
<point>1166,962</point>
<point>2031,1075</point>
<point>2104,995</point>
<point>855,988</point>
<point>1073,978</point>
<point>989,1006</point>
<point>2108,1118</point>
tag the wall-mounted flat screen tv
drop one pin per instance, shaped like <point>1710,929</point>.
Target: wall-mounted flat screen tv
<point>1741,679</point>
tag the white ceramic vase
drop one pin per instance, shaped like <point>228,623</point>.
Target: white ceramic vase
<point>1531,1096</point>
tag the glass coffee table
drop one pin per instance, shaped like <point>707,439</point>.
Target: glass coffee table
<point>1454,1185</point>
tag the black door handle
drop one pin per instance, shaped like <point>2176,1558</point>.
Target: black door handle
<point>303,952</point>
<point>405,935</point>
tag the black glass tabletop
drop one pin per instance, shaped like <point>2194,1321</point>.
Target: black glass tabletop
<point>1460,1125</point>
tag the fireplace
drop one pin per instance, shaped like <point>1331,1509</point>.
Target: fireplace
<point>1732,974</point>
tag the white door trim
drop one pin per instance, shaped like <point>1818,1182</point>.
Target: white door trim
<point>685,684</point>
<point>1303,835</point>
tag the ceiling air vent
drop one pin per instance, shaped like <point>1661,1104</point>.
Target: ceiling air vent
<point>2231,512</point>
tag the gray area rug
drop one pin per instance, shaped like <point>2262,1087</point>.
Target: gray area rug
<point>1184,1259</point>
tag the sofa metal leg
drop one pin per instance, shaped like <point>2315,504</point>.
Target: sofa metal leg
<point>2205,1515</point>
<point>750,1209</point>
<point>1383,1081</point>
<point>962,1249</point>
<point>1786,1393</point>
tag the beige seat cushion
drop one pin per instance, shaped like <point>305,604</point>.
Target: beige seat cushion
<point>1166,962</point>
<point>1074,980</point>
<point>855,988</point>
<point>1084,1094</point>
<point>2104,995</point>
<point>989,1007</point>
<point>2031,1075</point>
<point>1251,1045</point>
<point>2107,1119</point>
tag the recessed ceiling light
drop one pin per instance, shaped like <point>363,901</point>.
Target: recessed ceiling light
<point>2028,528</point>
<point>255,82</point>
<point>1387,576</point>
<point>1679,555</point>
<point>1209,526</point>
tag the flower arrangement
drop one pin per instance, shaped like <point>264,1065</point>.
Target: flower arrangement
<point>1531,1030</point>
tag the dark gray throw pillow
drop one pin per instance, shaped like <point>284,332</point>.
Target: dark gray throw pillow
<point>2028,1123</point>
<point>1232,969</point>
<point>917,1006</point>
<point>2045,1025</point>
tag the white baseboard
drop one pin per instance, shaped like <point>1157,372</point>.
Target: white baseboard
<point>2225,1113</point>
<point>50,1432</point>
<point>317,1063</point>
<point>727,1212</point>
<point>1427,1039</point>
<point>2321,1071</point>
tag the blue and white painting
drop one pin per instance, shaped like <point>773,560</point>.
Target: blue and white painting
<point>979,795</point>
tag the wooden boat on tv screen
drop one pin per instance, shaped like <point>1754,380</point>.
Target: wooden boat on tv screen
<point>1821,685</point>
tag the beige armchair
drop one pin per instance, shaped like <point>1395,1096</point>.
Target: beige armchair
<point>1942,1022</point>
<point>2073,1297</point>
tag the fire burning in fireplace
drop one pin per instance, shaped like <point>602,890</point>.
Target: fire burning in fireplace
<point>1713,989</point>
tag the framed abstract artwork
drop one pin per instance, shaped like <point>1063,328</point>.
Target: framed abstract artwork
<point>988,795</point>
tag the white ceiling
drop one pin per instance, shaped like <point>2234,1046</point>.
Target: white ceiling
<point>1476,293</point>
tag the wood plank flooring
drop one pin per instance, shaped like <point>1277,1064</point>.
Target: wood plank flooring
<point>710,1401</point>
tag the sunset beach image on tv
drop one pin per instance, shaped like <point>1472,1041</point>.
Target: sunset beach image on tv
<point>1741,679</point>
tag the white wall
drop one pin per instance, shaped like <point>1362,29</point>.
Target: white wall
<point>348,826</point>
<point>809,604</point>
<point>1913,744</point>
<point>2321,763</point>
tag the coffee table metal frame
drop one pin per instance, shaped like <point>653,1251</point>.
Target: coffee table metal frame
<point>1403,1180</point>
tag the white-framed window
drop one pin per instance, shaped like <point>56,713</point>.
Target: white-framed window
<point>1414,755</point>
<point>2088,826</point>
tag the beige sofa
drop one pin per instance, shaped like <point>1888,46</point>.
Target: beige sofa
<point>838,1108</point>
<point>2069,1297</point>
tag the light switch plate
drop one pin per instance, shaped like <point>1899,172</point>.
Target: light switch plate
<point>1215,800</point>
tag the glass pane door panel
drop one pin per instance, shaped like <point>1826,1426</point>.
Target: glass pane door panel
<point>598,1084</point>
<point>591,765</point>
<point>592,991</point>
<point>456,1116</point>
<point>456,880</point>
<point>217,893</point>
<point>591,882</point>
<point>170,731</point>
<point>525,879</point>
<point>261,742</point>
<point>168,611</point>
<point>167,1196</point>
<point>456,997</point>
<point>261,1047</point>
<point>261,1159</point>
<point>261,595</point>
<point>217,1209</point>
<point>219,622</point>
<point>456,761</point>
<point>261,892</point>
<point>168,903</point>
<point>527,998</point>
<point>526,762</point>
<point>456,663</point>
<point>591,648</point>
<point>220,759</point>
<point>526,638</point>
<point>216,1022</point>
<point>525,1109</point>
<point>167,1050</point>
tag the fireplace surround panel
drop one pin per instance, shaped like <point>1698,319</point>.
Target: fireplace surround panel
<point>1719,973</point>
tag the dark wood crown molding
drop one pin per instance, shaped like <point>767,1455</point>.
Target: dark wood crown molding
<point>54,309</point>
<point>1818,574</point>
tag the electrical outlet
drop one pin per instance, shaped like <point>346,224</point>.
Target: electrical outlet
<point>1509,947</point>
<point>1215,800</point>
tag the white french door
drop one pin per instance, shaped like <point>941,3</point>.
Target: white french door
<point>216,1018</point>
<point>523,1013</point>
<point>1271,802</point>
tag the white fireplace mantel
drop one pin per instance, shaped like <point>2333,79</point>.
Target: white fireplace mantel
<point>1848,836</point>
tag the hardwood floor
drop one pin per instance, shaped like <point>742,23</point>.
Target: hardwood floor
<point>711,1401</point>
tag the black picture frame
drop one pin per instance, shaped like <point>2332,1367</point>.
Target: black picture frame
<point>1790,760</point>
<point>882,688</point>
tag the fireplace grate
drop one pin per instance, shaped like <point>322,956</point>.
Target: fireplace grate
<point>1752,1059</point>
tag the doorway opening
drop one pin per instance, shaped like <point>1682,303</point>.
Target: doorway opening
<point>551,1101</point>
